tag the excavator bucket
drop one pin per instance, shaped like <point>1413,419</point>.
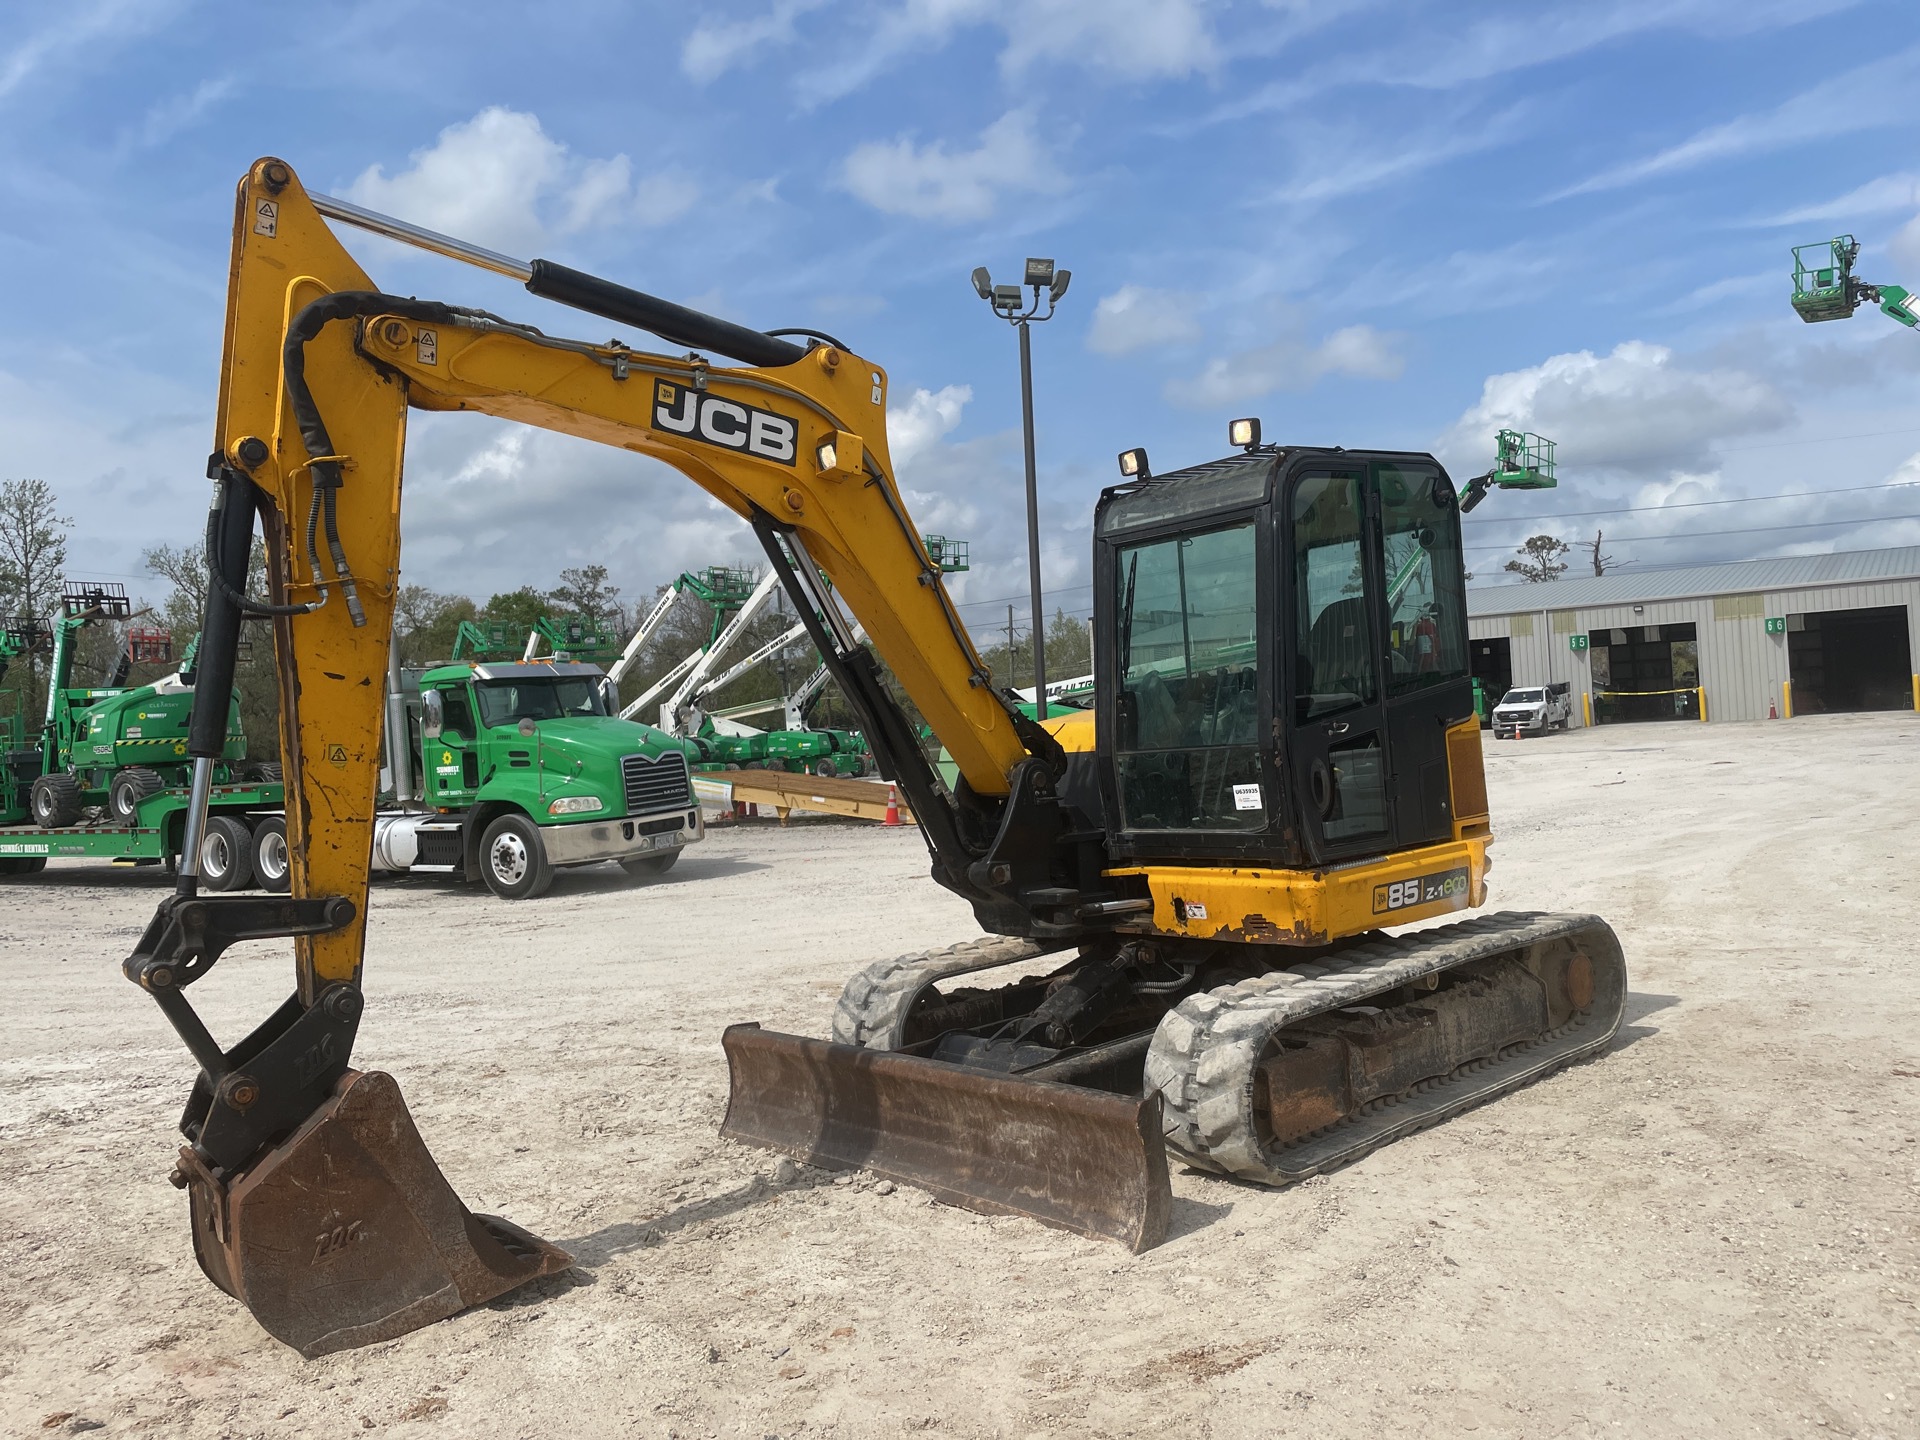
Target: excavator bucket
<point>1074,1158</point>
<point>346,1233</point>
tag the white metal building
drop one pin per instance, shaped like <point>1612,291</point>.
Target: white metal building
<point>1809,633</point>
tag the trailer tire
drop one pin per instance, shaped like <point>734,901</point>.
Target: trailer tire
<point>129,788</point>
<point>226,854</point>
<point>55,800</point>
<point>649,867</point>
<point>22,864</point>
<point>270,867</point>
<point>513,859</point>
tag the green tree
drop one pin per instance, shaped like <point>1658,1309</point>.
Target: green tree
<point>583,591</point>
<point>518,608</point>
<point>1540,559</point>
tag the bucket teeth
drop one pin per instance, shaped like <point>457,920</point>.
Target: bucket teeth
<point>347,1234</point>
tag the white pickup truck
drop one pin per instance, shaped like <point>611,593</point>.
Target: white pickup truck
<point>1533,711</point>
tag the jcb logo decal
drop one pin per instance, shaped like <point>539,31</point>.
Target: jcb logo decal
<point>726,423</point>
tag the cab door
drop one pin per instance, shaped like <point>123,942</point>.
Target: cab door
<point>1429,686</point>
<point>1339,753</point>
<point>451,760</point>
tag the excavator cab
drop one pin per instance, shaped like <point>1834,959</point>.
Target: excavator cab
<point>1286,634</point>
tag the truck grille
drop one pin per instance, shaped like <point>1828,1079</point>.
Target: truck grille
<point>658,784</point>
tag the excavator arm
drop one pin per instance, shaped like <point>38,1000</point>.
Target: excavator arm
<point>313,1198</point>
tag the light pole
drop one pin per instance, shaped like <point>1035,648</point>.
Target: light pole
<point>1011,304</point>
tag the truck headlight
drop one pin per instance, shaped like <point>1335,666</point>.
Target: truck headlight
<point>575,805</point>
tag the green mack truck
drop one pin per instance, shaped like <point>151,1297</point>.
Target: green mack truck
<point>505,770</point>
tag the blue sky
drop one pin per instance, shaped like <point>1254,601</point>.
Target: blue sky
<point>1372,224</point>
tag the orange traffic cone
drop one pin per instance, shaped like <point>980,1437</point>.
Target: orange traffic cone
<point>1773,711</point>
<point>893,805</point>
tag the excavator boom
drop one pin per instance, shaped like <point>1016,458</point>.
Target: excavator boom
<point>313,1198</point>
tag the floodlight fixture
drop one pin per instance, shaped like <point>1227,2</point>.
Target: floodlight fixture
<point>1133,464</point>
<point>1245,433</point>
<point>983,283</point>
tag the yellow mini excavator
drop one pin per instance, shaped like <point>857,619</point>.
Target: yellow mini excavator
<point>1192,882</point>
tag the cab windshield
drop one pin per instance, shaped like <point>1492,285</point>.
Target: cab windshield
<point>508,702</point>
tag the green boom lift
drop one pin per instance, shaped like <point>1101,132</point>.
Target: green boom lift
<point>1825,287</point>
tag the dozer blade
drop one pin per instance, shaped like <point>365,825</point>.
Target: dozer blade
<point>347,1234</point>
<point>1074,1158</point>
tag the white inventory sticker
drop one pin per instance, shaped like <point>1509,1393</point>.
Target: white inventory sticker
<point>1247,797</point>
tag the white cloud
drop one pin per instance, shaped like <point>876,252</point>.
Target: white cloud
<point>500,180</point>
<point>913,429</point>
<point>1875,94</point>
<point>170,117</point>
<point>78,29</point>
<point>933,183</point>
<point>1635,412</point>
<point>717,47</point>
<point>1136,318</point>
<point>1876,197</point>
<point>1291,363</point>
<point>1904,251</point>
<point>1127,39</point>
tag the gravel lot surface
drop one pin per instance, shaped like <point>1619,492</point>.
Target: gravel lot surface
<point>1709,1230</point>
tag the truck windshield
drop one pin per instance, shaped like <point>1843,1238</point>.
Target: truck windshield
<point>1524,697</point>
<point>508,702</point>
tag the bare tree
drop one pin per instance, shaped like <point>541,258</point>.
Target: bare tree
<point>1600,561</point>
<point>185,568</point>
<point>33,547</point>
<point>33,555</point>
<point>1540,559</point>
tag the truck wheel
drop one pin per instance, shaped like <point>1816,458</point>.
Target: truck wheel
<point>513,859</point>
<point>22,864</point>
<point>648,867</point>
<point>129,788</point>
<point>55,800</point>
<point>270,854</point>
<point>226,854</point>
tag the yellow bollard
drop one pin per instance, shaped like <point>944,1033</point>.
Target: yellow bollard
<point>1786,694</point>
<point>1586,701</point>
<point>1701,695</point>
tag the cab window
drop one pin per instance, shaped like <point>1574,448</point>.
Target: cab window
<point>1189,714</point>
<point>1426,610</point>
<point>1337,666</point>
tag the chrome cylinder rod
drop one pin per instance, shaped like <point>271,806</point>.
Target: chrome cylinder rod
<point>349,213</point>
<point>189,872</point>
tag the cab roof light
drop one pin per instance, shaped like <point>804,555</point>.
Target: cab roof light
<point>1244,433</point>
<point>1133,464</point>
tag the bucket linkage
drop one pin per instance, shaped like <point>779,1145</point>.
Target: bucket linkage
<point>314,1201</point>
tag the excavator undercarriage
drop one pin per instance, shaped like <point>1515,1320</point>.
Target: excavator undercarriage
<point>1061,1095</point>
